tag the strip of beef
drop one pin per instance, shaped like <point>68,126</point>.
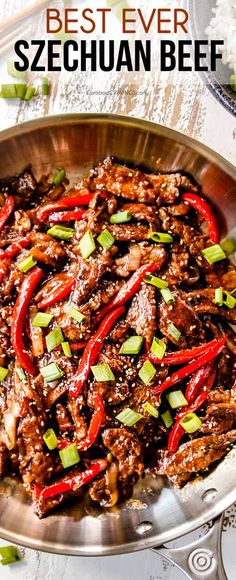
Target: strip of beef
<point>202,301</point>
<point>23,186</point>
<point>63,419</point>
<point>142,212</point>
<point>125,446</point>
<point>131,233</point>
<point>216,424</point>
<point>3,459</point>
<point>184,318</point>
<point>35,464</point>
<point>141,315</point>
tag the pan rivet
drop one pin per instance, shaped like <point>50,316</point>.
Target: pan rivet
<point>209,495</point>
<point>143,528</point>
<point>201,561</point>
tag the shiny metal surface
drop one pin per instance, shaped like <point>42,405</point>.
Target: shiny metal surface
<point>78,142</point>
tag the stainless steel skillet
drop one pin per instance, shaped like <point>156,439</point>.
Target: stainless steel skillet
<point>160,513</point>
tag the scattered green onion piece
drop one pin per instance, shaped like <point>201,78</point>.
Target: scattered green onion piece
<point>218,296</point>
<point>45,86</point>
<point>21,374</point>
<point>61,232</point>
<point>42,319</point>
<point>129,417</point>
<point>167,419</point>
<point>30,93</point>
<point>106,239</point>
<point>66,349</point>
<point>20,90</point>
<point>191,423</point>
<point>74,313</point>
<point>151,410</point>
<point>54,338</point>
<point>50,439</point>
<point>11,69</point>
<point>132,345</point>
<point>147,372</point>
<point>167,295</point>
<point>3,373</point>
<point>176,399</point>
<point>233,82</point>
<point>9,555</point>
<point>173,331</point>
<point>233,292</point>
<point>229,300</point>
<point>121,217</point>
<point>8,91</point>
<point>51,372</point>
<point>157,282</point>
<point>58,176</point>
<point>214,254</point>
<point>69,456</point>
<point>27,264</point>
<point>161,237</point>
<point>102,373</point>
<point>158,348</point>
<point>229,245</point>
<point>87,245</point>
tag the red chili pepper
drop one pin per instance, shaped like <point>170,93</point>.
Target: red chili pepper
<point>181,356</point>
<point>92,350</point>
<point>61,291</point>
<point>205,210</point>
<point>18,317</point>
<point>73,482</point>
<point>95,423</point>
<point>15,248</point>
<point>197,381</point>
<point>65,203</point>
<point>192,367</point>
<point>66,216</point>
<point>127,291</point>
<point>6,211</point>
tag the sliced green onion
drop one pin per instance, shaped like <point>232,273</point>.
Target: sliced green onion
<point>173,331</point>
<point>87,245</point>
<point>61,232</point>
<point>167,419</point>
<point>3,373</point>
<point>106,239</point>
<point>102,373</point>
<point>229,245</point>
<point>51,372</point>
<point>74,313</point>
<point>129,417</point>
<point>30,93</point>
<point>157,282</point>
<point>66,349</point>
<point>121,217</point>
<point>21,374</point>
<point>50,439</point>
<point>69,455</point>
<point>229,300</point>
<point>214,254</point>
<point>132,345</point>
<point>20,90</point>
<point>42,319</point>
<point>233,292</point>
<point>8,91</point>
<point>11,69</point>
<point>58,176</point>
<point>9,555</point>
<point>45,86</point>
<point>218,296</point>
<point>158,348</point>
<point>151,410</point>
<point>27,264</point>
<point>191,423</point>
<point>167,295</point>
<point>233,82</point>
<point>147,372</point>
<point>161,237</point>
<point>54,338</point>
<point>176,399</point>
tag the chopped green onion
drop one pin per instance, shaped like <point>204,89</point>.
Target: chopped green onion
<point>191,423</point>
<point>3,373</point>
<point>66,349</point>
<point>121,217</point>
<point>233,82</point>
<point>9,555</point>
<point>167,295</point>
<point>58,176</point>
<point>20,90</point>
<point>87,245</point>
<point>8,91</point>
<point>161,237</point>
<point>167,419</point>
<point>21,374</point>
<point>214,254</point>
<point>50,439</point>
<point>173,331</point>
<point>30,93</point>
<point>218,296</point>
<point>106,239</point>
<point>233,292</point>
<point>129,417</point>
<point>132,345</point>
<point>69,455</point>
<point>27,264</point>
<point>61,232</point>
<point>11,69</point>
<point>102,373</point>
<point>176,399</point>
<point>151,410</point>
<point>54,338</point>
<point>158,348</point>
<point>45,86</point>
<point>51,372</point>
<point>229,300</point>
<point>42,319</point>
<point>157,282</point>
<point>229,245</point>
<point>74,313</point>
<point>147,372</point>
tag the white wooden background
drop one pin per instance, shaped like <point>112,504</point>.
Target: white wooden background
<point>184,104</point>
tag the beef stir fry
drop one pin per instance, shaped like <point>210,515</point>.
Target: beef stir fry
<point>117,355</point>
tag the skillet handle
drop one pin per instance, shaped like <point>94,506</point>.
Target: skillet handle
<point>202,558</point>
